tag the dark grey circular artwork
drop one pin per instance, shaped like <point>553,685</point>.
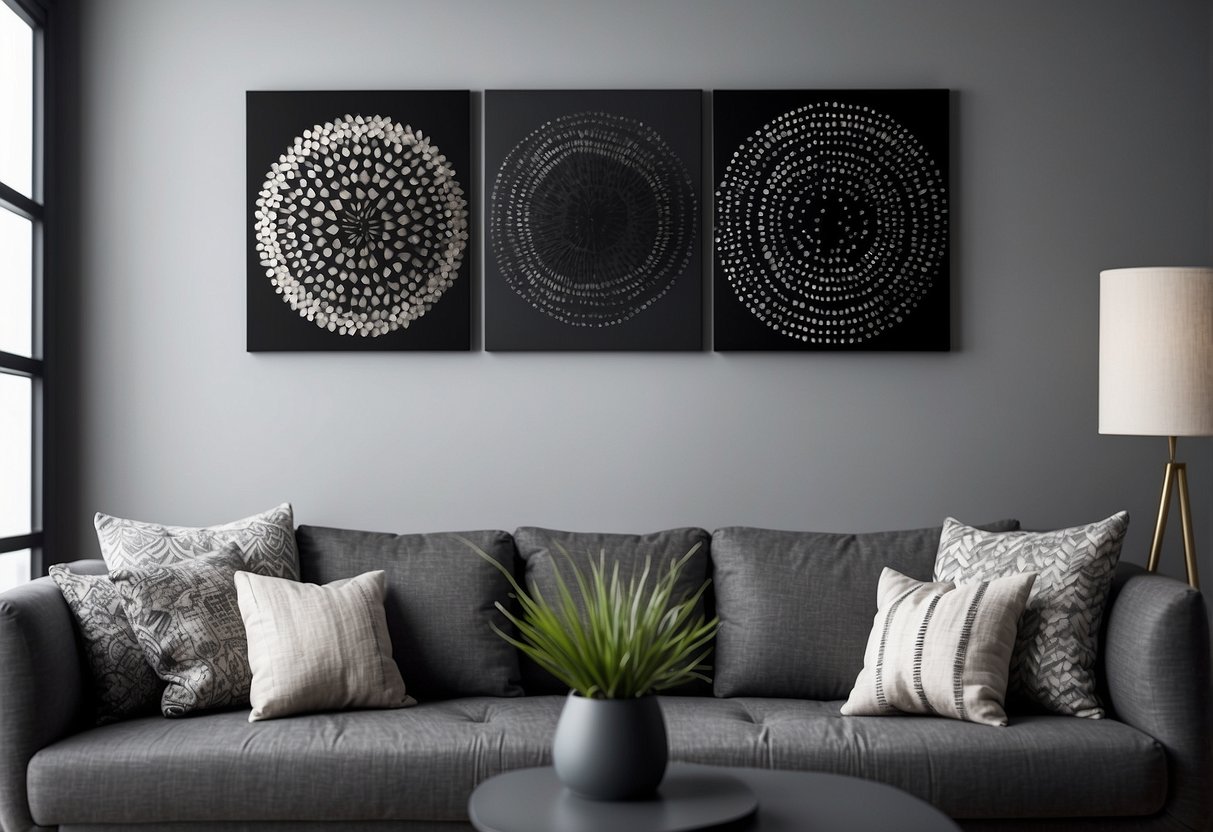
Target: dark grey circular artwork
<point>593,218</point>
<point>832,224</point>
<point>361,225</point>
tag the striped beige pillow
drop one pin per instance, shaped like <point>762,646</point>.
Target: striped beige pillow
<point>940,648</point>
<point>318,648</point>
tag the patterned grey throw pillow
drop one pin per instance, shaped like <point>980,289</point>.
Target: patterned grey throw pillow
<point>124,683</point>
<point>1054,660</point>
<point>267,541</point>
<point>187,620</point>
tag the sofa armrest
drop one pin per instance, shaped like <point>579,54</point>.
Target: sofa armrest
<point>40,687</point>
<point>1158,672</point>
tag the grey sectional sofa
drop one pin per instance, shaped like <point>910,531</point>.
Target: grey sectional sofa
<point>1149,766</point>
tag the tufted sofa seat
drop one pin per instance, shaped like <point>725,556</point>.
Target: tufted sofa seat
<point>422,762</point>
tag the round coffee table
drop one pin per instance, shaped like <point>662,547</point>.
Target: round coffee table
<point>532,800</point>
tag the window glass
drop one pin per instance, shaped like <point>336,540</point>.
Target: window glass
<point>16,472</point>
<point>14,569</point>
<point>16,101</point>
<point>16,283</point>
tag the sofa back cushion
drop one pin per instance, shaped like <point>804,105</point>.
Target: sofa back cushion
<point>439,603</point>
<point>540,552</point>
<point>796,607</point>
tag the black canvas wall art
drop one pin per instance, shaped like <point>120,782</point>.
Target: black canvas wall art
<point>593,220</point>
<point>831,220</point>
<point>358,220</point>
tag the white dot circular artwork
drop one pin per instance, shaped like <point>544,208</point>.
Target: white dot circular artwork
<point>832,224</point>
<point>361,225</point>
<point>593,218</point>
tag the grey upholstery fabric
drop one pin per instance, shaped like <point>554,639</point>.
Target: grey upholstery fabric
<point>1158,673</point>
<point>422,763</point>
<point>40,683</point>
<point>439,603</point>
<point>796,607</point>
<point>1037,766</point>
<point>416,763</point>
<point>539,550</point>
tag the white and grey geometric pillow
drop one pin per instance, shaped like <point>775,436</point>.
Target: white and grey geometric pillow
<point>1054,661</point>
<point>940,648</point>
<point>187,620</point>
<point>124,683</point>
<point>267,541</point>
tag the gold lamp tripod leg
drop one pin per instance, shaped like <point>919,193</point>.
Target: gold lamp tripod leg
<point>1176,475</point>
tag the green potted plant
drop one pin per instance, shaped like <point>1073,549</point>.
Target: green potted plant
<point>615,642</point>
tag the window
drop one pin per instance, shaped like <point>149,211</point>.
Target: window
<point>22,215</point>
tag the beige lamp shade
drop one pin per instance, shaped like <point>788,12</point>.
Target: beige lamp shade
<point>1156,351</point>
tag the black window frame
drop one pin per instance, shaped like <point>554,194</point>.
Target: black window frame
<point>33,208</point>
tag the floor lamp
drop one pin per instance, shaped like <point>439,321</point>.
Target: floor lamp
<point>1156,372</point>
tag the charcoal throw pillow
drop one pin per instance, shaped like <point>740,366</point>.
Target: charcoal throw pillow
<point>940,649</point>
<point>124,684</point>
<point>1053,665</point>
<point>795,607</point>
<point>540,550</point>
<point>187,620</point>
<point>267,541</point>
<point>318,648</point>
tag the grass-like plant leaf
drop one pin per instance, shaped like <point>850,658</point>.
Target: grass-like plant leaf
<point>610,638</point>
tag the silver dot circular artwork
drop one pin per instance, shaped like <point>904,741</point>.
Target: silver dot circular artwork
<point>361,225</point>
<point>832,223</point>
<point>593,218</point>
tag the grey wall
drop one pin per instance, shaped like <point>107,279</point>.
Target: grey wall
<point>1082,142</point>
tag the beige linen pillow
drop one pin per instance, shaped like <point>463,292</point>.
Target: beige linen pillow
<point>940,648</point>
<point>318,648</point>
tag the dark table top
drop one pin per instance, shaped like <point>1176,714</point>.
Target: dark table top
<point>532,800</point>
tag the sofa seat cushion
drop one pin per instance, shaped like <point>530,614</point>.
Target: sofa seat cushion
<point>417,763</point>
<point>1036,767</point>
<point>422,763</point>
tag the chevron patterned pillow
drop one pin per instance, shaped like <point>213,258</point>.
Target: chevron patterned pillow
<point>1054,660</point>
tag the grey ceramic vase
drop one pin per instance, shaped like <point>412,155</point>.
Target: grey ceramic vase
<point>610,749</point>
